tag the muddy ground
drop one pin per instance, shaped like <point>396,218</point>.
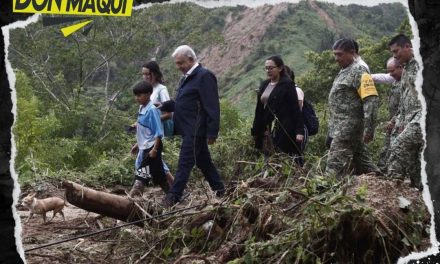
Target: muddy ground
<point>266,212</point>
<point>118,245</point>
<point>77,222</point>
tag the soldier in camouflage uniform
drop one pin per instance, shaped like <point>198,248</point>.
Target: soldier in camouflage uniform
<point>353,103</point>
<point>405,151</point>
<point>393,77</point>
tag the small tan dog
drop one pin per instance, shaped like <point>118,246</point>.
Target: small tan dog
<point>41,206</point>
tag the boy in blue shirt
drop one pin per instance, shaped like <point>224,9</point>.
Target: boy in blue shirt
<point>149,144</point>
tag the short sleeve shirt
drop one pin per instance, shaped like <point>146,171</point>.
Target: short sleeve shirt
<point>300,93</point>
<point>160,94</point>
<point>148,126</point>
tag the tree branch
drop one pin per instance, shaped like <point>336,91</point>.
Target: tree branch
<point>50,92</point>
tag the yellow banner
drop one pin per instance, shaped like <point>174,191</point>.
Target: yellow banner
<point>367,87</point>
<point>75,7</point>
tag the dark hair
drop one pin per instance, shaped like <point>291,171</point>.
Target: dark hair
<point>346,44</point>
<point>167,106</point>
<point>290,73</point>
<point>278,62</point>
<point>142,87</point>
<point>154,69</point>
<point>400,40</point>
<point>356,46</point>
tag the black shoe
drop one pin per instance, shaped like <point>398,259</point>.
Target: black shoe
<point>220,193</point>
<point>184,196</point>
<point>170,200</point>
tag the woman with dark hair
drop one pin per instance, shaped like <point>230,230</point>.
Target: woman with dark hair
<point>277,101</point>
<point>152,74</point>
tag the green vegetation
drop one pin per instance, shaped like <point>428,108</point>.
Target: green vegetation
<point>299,32</point>
<point>74,93</point>
<point>74,99</point>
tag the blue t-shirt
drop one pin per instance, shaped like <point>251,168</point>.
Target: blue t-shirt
<point>148,126</point>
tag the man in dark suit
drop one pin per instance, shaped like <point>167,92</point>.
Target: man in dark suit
<point>197,119</point>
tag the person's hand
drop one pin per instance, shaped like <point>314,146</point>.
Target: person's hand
<point>367,138</point>
<point>152,153</point>
<point>134,149</point>
<point>299,138</point>
<point>166,116</point>
<point>211,141</point>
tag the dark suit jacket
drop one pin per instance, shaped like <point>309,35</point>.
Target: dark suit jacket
<point>283,103</point>
<point>197,107</point>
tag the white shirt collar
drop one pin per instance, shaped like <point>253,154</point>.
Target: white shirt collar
<point>192,69</point>
<point>143,108</point>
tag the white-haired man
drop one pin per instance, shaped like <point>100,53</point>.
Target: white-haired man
<point>197,119</point>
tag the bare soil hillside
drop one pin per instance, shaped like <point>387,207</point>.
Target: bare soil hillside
<point>242,33</point>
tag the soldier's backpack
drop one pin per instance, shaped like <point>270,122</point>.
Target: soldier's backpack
<point>310,119</point>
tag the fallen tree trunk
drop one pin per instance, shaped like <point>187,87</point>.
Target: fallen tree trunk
<point>103,203</point>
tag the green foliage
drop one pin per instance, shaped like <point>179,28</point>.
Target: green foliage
<point>317,82</point>
<point>315,152</point>
<point>376,21</point>
<point>299,34</point>
<point>230,147</point>
<point>230,117</point>
<point>50,138</point>
<point>362,193</point>
<point>405,28</point>
<point>32,126</point>
<point>71,118</point>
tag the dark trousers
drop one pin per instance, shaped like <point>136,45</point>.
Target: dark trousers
<point>300,160</point>
<point>194,151</point>
<point>155,168</point>
<point>328,141</point>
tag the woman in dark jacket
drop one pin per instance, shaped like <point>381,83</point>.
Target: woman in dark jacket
<point>278,101</point>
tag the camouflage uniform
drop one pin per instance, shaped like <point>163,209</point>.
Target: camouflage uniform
<point>405,151</point>
<point>393,105</point>
<point>394,99</point>
<point>350,119</point>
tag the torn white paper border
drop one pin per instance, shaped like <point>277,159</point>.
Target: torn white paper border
<point>250,3</point>
<point>426,194</point>
<point>11,80</point>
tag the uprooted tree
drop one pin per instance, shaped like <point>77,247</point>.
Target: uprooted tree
<point>366,219</point>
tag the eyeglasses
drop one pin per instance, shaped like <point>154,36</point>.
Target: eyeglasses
<point>269,68</point>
